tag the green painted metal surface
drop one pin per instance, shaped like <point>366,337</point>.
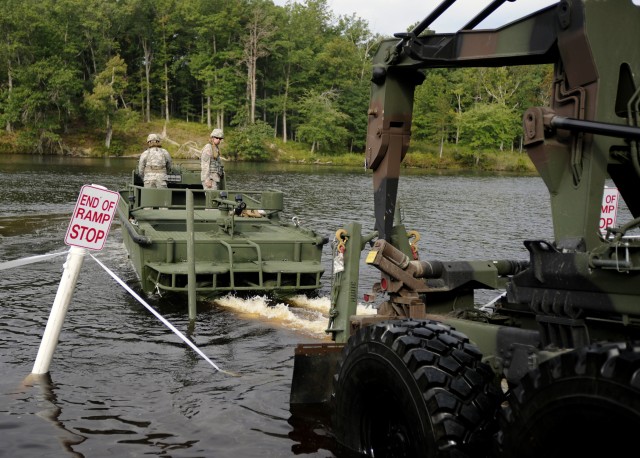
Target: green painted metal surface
<point>241,245</point>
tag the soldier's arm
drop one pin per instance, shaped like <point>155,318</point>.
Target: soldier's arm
<point>142,164</point>
<point>168,160</point>
<point>205,159</point>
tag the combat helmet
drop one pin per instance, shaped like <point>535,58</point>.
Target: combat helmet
<point>217,133</point>
<point>154,138</point>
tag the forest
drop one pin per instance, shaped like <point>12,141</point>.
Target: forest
<point>296,73</point>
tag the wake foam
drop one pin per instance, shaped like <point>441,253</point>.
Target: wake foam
<point>303,314</point>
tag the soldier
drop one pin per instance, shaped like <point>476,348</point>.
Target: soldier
<point>155,163</point>
<point>210,162</point>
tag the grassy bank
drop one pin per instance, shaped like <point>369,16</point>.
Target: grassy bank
<point>186,139</point>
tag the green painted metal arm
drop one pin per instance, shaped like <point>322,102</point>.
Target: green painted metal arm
<point>344,285</point>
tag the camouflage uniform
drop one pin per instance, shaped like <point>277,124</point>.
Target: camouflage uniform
<point>210,162</point>
<point>153,167</point>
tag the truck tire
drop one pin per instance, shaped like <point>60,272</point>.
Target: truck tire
<point>414,388</point>
<point>582,403</point>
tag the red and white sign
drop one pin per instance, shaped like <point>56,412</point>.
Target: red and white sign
<point>92,217</point>
<point>609,209</point>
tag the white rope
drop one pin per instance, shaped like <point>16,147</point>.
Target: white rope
<point>30,260</point>
<point>488,307</point>
<point>161,318</point>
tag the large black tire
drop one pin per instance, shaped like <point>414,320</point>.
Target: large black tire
<point>411,388</point>
<point>582,403</point>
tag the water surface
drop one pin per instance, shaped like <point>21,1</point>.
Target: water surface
<point>122,384</point>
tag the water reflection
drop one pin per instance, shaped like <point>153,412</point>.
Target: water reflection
<point>41,390</point>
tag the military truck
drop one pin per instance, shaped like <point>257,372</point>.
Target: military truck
<point>551,367</point>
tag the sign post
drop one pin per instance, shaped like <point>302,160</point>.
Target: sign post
<point>88,229</point>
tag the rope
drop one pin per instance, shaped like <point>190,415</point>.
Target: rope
<point>42,257</point>
<point>161,318</point>
<point>488,307</point>
<point>30,260</point>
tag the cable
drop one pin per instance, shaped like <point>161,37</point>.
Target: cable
<point>30,260</point>
<point>161,318</point>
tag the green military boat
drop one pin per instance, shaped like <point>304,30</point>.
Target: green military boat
<point>222,240</point>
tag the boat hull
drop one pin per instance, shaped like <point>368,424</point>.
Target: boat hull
<point>182,232</point>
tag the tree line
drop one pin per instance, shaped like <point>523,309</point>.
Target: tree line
<point>297,72</point>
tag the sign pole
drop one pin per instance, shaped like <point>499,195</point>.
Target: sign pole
<point>75,258</point>
<point>88,229</point>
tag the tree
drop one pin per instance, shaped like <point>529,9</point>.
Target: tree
<point>141,34</point>
<point>13,42</point>
<point>107,96</point>
<point>45,99</point>
<point>169,23</point>
<point>322,122</point>
<point>433,110</point>
<point>259,29</point>
<point>216,54</point>
<point>300,38</point>
<point>489,126</point>
<point>231,62</point>
<point>248,141</point>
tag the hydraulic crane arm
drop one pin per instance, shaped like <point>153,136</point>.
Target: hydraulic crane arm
<point>562,34</point>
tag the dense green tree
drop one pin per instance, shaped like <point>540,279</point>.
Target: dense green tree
<point>297,68</point>
<point>46,99</point>
<point>259,28</point>
<point>14,32</point>
<point>489,125</point>
<point>323,123</point>
<point>434,115</point>
<point>214,61</point>
<point>250,142</point>
<point>298,41</point>
<point>168,28</point>
<point>107,97</point>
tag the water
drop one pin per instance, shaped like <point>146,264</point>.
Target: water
<point>122,384</point>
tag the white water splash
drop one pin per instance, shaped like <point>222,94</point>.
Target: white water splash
<point>280,314</point>
<point>304,314</point>
<point>323,304</point>
<point>319,304</point>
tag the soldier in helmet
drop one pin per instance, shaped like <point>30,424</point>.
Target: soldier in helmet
<point>154,164</point>
<point>210,162</point>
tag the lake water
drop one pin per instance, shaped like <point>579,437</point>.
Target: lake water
<point>122,384</point>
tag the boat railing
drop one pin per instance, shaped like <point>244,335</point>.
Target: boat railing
<point>232,267</point>
<point>175,198</point>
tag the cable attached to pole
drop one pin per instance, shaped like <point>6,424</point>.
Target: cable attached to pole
<point>162,319</point>
<point>30,260</point>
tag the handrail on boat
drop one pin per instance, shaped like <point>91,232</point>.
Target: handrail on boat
<point>139,239</point>
<point>231,264</point>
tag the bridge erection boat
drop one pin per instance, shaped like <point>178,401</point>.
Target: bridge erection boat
<point>225,241</point>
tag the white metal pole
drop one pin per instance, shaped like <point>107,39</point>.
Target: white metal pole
<point>51,334</point>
